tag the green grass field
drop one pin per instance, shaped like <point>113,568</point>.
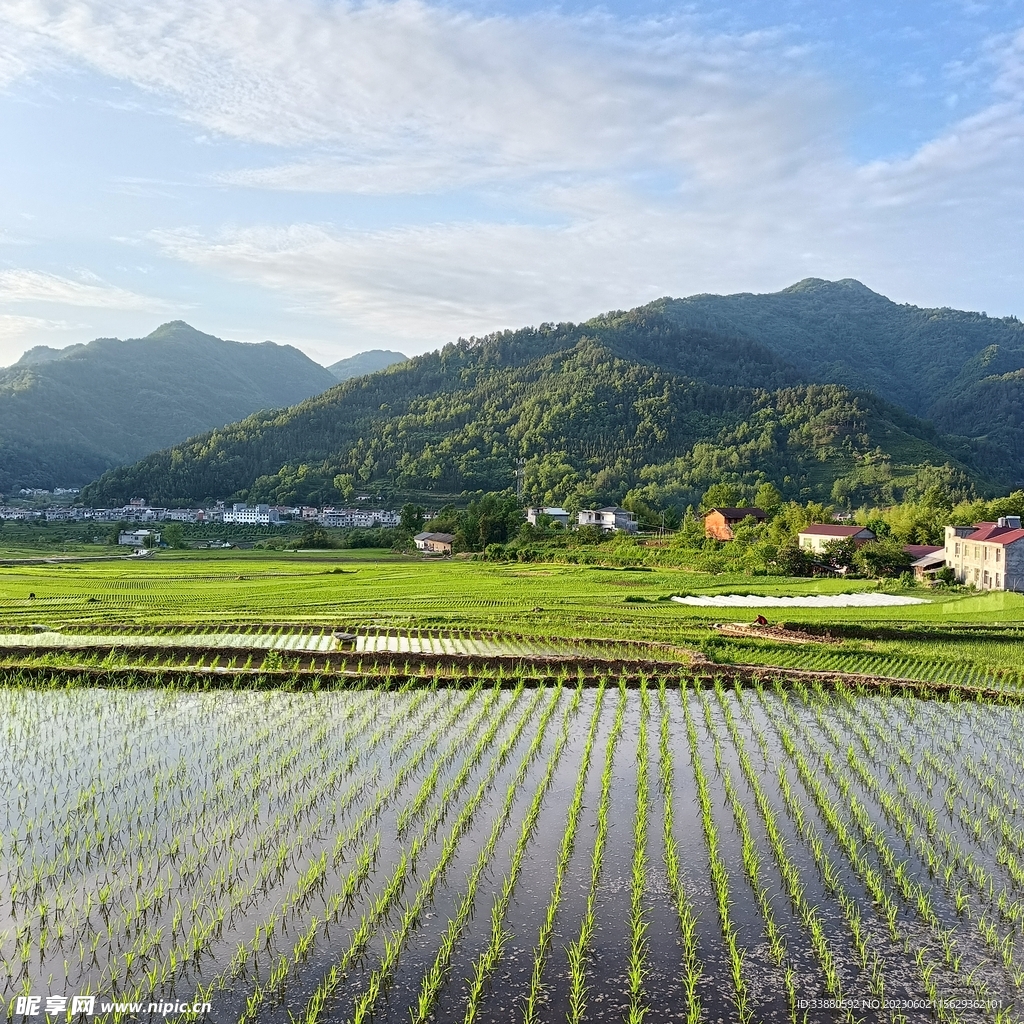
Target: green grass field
<point>978,634</point>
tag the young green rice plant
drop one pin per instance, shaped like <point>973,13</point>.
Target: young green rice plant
<point>393,946</point>
<point>486,963</point>
<point>692,968</point>
<point>719,872</point>
<point>434,978</point>
<point>562,865</point>
<point>859,861</point>
<point>636,969</point>
<point>578,951</point>
<point>317,1004</point>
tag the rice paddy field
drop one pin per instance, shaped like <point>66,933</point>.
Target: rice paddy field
<point>262,789</point>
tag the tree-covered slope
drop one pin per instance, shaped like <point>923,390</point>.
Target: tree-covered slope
<point>960,370</point>
<point>625,402</point>
<point>68,415</point>
<point>365,362</point>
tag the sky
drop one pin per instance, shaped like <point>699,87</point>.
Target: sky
<point>344,176</point>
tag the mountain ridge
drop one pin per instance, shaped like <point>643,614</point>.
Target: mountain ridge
<point>625,403</point>
<point>66,415</point>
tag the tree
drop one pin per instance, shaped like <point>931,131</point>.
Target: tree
<point>720,496</point>
<point>174,535</point>
<point>791,560</point>
<point>411,518</point>
<point>840,554</point>
<point>884,558</point>
<point>768,499</point>
<point>344,483</point>
<point>315,537</point>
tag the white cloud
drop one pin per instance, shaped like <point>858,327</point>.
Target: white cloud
<point>631,160</point>
<point>420,93</point>
<point>30,286</point>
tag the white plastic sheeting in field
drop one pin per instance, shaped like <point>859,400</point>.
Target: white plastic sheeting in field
<point>864,600</point>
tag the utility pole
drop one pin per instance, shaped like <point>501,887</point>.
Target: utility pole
<point>520,475</point>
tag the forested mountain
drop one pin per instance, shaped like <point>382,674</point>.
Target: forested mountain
<point>626,403</point>
<point>365,362</point>
<point>67,415</point>
<point>963,371</point>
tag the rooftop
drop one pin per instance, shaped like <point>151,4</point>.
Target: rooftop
<point>739,513</point>
<point>829,530</point>
<point>993,533</point>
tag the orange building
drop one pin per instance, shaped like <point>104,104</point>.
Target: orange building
<point>718,522</point>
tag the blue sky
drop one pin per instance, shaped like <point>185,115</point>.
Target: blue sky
<point>347,176</point>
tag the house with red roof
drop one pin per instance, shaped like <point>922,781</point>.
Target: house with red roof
<point>989,556</point>
<point>719,522</point>
<point>818,536</point>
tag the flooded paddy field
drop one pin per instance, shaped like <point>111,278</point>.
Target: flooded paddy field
<point>512,853</point>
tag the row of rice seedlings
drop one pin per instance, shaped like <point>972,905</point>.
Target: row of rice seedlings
<point>219,874</point>
<point>636,967</point>
<point>579,951</point>
<point>486,963</point>
<point>911,892</point>
<point>692,967</point>
<point>340,897</point>
<point>562,866</point>
<point>432,981</point>
<point>953,862</point>
<point>429,783</point>
<point>140,834</point>
<point>809,915</point>
<point>394,943</point>
<point>961,864</point>
<point>461,777</point>
<point>808,833</point>
<point>751,864</point>
<point>309,880</point>
<point>719,872</point>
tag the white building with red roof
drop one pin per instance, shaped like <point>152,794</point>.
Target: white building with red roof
<point>818,536</point>
<point>989,556</point>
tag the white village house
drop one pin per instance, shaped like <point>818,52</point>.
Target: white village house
<point>139,538</point>
<point>558,515</point>
<point>818,536</point>
<point>989,556</point>
<point>610,519</point>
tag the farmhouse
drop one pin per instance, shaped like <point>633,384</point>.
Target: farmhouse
<point>253,515</point>
<point>927,559</point>
<point>558,515</point>
<point>435,543</point>
<point>139,538</point>
<point>818,536</point>
<point>719,522</point>
<point>611,519</point>
<point>989,556</point>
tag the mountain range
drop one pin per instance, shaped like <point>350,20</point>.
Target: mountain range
<point>826,389</point>
<point>66,415</point>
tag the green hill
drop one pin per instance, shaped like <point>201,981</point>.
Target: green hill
<point>365,362</point>
<point>67,415</point>
<point>963,371</point>
<point>625,402</point>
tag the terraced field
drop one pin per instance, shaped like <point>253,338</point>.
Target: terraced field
<point>514,852</point>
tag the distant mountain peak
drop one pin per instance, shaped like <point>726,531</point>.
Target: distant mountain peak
<point>176,328</point>
<point>819,284</point>
<point>365,362</point>
<point>39,354</point>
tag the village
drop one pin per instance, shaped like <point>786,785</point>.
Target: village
<point>985,555</point>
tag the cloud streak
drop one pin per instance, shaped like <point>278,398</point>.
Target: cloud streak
<point>30,286</point>
<point>626,160</point>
